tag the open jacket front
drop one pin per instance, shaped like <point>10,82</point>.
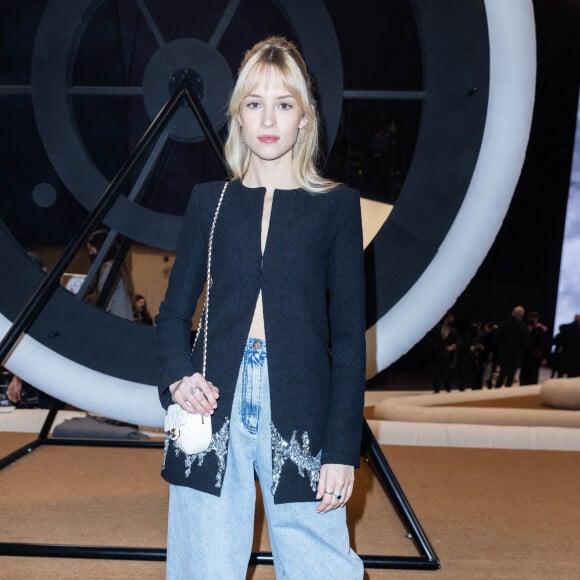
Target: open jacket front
<point>312,281</point>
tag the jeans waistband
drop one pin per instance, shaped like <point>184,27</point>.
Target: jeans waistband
<point>255,351</point>
<point>255,344</point>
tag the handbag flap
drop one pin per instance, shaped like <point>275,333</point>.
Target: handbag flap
<point>175,417</point>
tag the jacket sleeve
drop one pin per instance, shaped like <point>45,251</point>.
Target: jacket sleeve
<point>173,323</point>
<point>347,334</point>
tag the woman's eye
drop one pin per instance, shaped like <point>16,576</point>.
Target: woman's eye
<point>253,104</point>
<point>285,106</point>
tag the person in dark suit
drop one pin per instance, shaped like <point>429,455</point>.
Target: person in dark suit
<point>537,352</point>
<point>512,340</point>
<point>470,360</point>
<point>487,344</point>
<point>443,343</point>
<point>570,348</point>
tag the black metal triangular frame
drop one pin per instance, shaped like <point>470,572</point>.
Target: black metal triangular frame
<point>370,449</point>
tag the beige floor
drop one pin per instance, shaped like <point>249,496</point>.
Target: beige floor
<point>490,514</point>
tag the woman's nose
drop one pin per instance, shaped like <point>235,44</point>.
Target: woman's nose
<point>268,119</point>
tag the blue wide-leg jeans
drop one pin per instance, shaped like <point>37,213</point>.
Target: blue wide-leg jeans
<point>211,537</point>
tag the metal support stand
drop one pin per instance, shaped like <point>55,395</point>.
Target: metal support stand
<point>371,450</point>
<point>51,281</point>
<point>428,560</point>
<point>370,447</point>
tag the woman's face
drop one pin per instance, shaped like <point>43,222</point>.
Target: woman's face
<point>270,118</point>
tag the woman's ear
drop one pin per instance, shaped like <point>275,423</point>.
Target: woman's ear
<point>303,122</point>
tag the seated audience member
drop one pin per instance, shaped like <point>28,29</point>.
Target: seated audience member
<point>21,394</point>
<point>141,312</point>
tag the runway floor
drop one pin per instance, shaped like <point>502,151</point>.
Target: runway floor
<point>490,514</point>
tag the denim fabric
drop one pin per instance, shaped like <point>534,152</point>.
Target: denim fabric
<point>253,372</point>
<point>211,537</point>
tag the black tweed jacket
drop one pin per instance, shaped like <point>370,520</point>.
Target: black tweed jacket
<point>312,282</point>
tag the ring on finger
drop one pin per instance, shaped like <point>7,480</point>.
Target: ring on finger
<point>196,388</point>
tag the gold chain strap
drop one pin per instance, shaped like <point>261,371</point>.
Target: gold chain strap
<point>204,318</point>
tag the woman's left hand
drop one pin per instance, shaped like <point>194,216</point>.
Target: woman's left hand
<point>334,486</point>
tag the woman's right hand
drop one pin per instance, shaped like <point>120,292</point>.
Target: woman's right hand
<point>195,395</point>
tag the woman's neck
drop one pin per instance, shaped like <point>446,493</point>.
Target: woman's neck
<point>271,175</point>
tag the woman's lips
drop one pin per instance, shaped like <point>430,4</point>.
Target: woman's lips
<point>268,139</point>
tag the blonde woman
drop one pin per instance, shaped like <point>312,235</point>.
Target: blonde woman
<point>284,383</point>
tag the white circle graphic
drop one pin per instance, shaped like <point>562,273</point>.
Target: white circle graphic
<point>509,114</point>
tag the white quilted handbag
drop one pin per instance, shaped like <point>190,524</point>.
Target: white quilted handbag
<point>191,432</point>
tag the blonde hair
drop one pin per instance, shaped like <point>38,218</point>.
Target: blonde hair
<point>282,55</point>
